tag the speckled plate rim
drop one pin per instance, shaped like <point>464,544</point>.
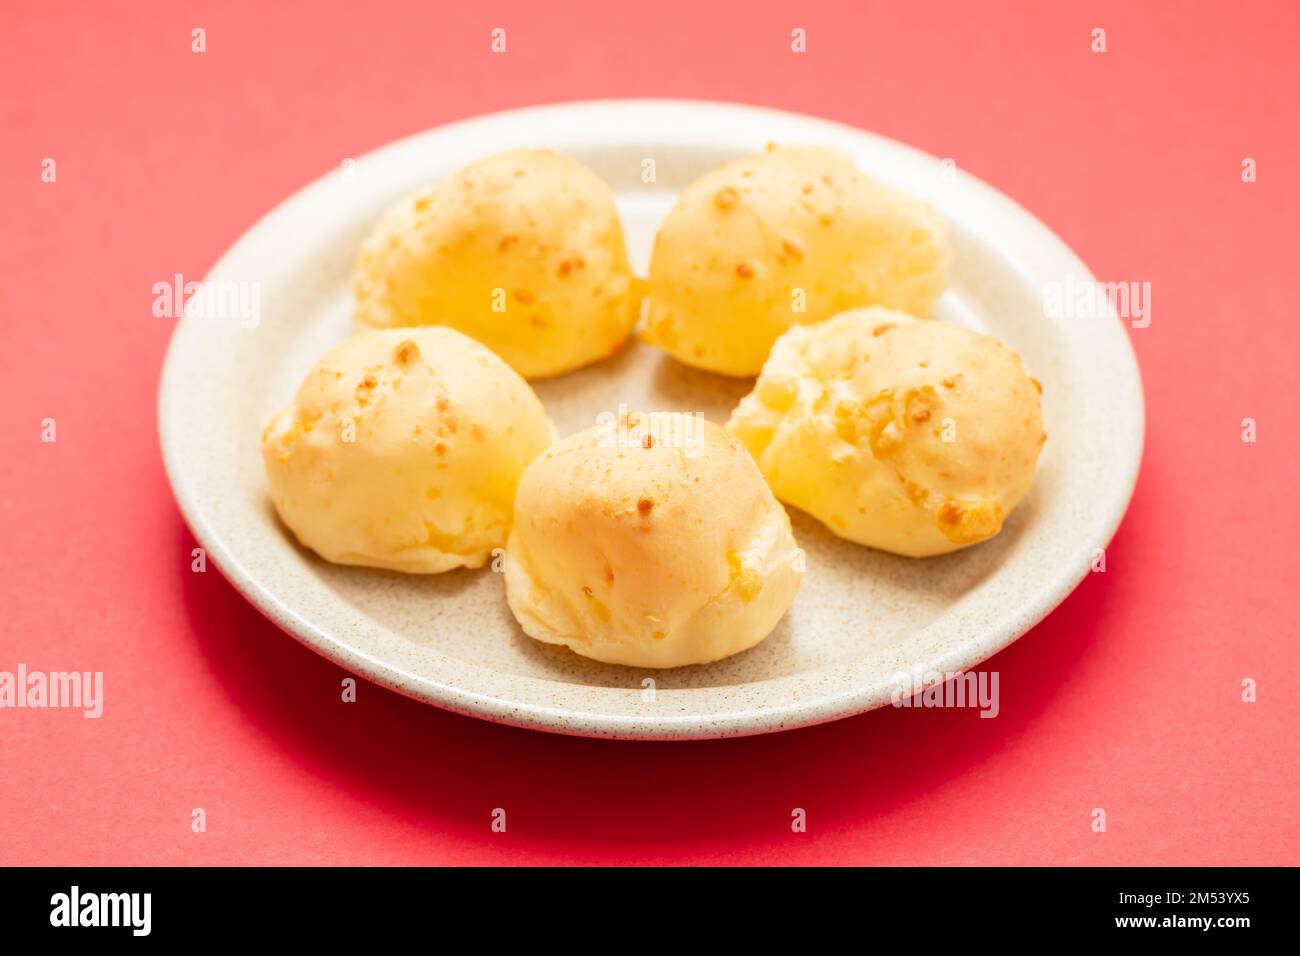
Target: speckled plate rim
<point>1026,244</point>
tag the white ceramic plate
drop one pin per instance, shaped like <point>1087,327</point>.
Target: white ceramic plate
<point>861,616</point>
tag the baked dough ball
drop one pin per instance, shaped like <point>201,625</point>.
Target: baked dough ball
<point>752,243</point>
<point>910,436</point>
<point>651,541</point>
<point>523,251</point>
<point>402,450</point>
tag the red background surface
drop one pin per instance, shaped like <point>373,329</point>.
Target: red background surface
<point>1126,698</point>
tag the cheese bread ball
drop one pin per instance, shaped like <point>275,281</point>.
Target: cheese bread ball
<point>402,450</point>
<point>523,251</point>
<point>651,541</point>
<point>910,436</point>
<point>795,234</point>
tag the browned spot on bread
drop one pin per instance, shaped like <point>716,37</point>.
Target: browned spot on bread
<point>970,521</point>
<point>406,352</point>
